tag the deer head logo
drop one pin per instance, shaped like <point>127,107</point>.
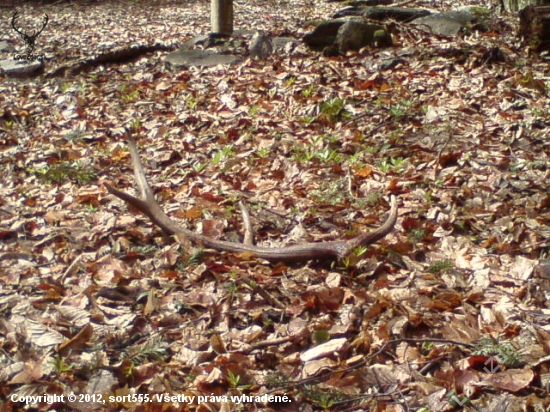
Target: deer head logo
<point>28,39</point>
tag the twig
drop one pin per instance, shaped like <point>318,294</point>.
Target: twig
<point>248,233</point>
<point>364,361</point>
<point>17,256</point>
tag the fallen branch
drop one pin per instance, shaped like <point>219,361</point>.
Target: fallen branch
<point>302,252</point>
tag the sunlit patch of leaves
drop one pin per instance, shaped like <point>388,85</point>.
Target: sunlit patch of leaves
<point>307,120</point>
<point>384,131</point>
<point>373,198</point>
<point>131,97</point>
<point>371,149</point>
<point>332,192</point>
<point>290,81</point>
<point>540,113</point>
<point>199,167</point>
<point>428,197</point>
<point>91,366</point>
<point>504,350</point>
<point>457,401</point>
<point>75,135</point>
<point>540,165</point>
<point>350,261</point>
<point>65,87</point>
<point>222,154</point>
<point>401,109</point>
<point>327,155</point>
<point>149,351</point>
<point>276,380</point>
<point>128,93</point>
<point>144,250</point>
<point>301,154</point>
<point>427,347</point>
<point>135,125</point>
<point>63,172</point>
<point>329,138</point>
<point>272,93</point>
<point>416,235</point>
<point>333,110</point>
<point>395,137</point>
<point>191,102</point>
<point>482,11</point>
<point>230,210</point>
<point>317,151</point>
<point>231,288</point>
<point>441,266</point>
<point>355,160</point>
<point>308,91</point>
<point>393,164</point>
<point>263,152</point>
<point>323,398</point>
<point>253,111</point>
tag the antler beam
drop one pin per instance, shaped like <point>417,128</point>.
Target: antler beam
<point>296,253</point>
<point>14,21</point>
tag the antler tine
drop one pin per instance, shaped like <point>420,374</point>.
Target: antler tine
<point>46,19</point>
<point>301,252</point>
<point>14,20</point>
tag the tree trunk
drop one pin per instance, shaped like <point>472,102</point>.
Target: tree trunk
<point>221,17</point>
<point>534,27</point>
<point>514,6</point>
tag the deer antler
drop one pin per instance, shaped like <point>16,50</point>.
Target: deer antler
<point>301,252</point>
<point>28,39</point>
<point>46,18</point>
<point>13,21</point>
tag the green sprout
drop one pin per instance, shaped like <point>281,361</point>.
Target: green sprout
<point>441,266</point>
<point>58,173</point>
<point>233,379</point>
<point>320,336</point>
<point>60,365</point>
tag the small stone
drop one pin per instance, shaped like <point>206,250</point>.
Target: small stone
<point>261,45</point>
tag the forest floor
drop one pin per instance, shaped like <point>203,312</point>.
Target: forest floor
<point>448,312</point>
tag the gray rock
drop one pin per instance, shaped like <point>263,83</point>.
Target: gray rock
<point>281,42</point>
<point>261,46</point>
<point>447,23</point>
<point>203,58</point>
<point>389,64</point>
<point>209,40</point>
<point>402,14</point>
<point>361,3</point>
<point>349,12</point>
<point>20,68</point>
<point>195,41</point>
<point>355,35</point>
<point>6,46</point>
<point>324,34</point>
